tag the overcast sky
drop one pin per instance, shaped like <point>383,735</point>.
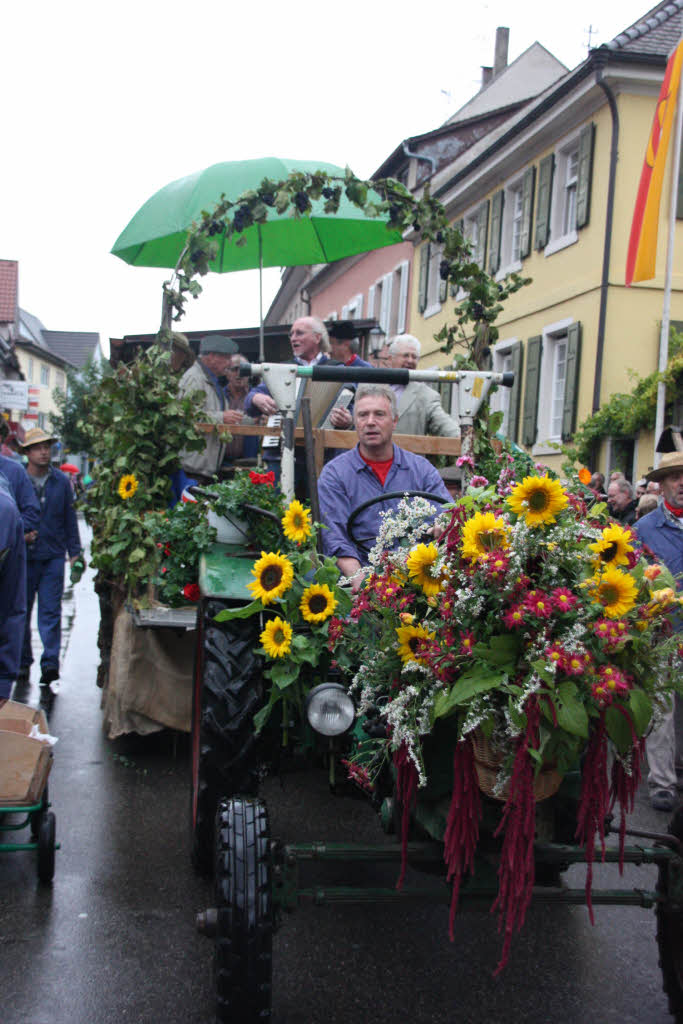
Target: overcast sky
<point>106,104</point>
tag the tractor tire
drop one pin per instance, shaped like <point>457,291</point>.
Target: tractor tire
<point>244,926</point>
<point>227,693</point>
<point>47,832</point>
<point>670,927</point>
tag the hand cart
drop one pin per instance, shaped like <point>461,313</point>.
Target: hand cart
<point>25,763</point>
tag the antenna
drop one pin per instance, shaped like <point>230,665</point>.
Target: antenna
<point>590,32</point>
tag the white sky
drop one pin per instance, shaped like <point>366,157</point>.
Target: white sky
<point>103,105</point>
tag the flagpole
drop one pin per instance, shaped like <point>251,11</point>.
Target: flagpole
<point>666,303</point>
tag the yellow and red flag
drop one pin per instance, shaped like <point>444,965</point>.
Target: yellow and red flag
<point>642,246</point>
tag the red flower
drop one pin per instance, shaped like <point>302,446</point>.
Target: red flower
<point>262,478</point>
<point>539,604</point>
<point>563,599</point>
<point>467,640</point>
<point>192,592</point>
<point>514,617</point>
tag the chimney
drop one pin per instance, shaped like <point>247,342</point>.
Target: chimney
<point>486,76</point>
<point>500,59</point>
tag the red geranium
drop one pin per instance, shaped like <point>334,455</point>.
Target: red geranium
<point>191,591</point>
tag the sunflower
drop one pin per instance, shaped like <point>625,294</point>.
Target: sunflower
<point>420,564</point>
<point>613,548</point>
<point>296,522</point>
<point>317,603</point>
<point>128,485</point>
<point>537,498</point>
<point>482,534</point>
<point>408,640</point>
<point>274,574</point>
<point>615,591</point>
<point>277,638</point>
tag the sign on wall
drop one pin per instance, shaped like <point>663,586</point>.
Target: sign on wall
<point>14,395</point>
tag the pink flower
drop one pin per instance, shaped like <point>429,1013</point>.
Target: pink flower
<point>467,640</point>
<point>514,617</point>
<point>539,604</point>
<point>478,481</point>
<point>563,599</point>
<point>556,654</point>
<point>465,460</point>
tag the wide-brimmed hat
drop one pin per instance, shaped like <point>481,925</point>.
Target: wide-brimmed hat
<point>36,436</point>
<point>341,330</point>
<point>670,462</point>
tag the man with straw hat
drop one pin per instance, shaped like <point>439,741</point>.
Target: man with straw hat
<point>57,536</point>
<point>662,532</point>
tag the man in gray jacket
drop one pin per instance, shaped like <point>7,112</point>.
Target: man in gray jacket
<point>208,375</point>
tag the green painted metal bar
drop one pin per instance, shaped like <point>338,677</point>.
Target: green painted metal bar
<point>320,896</point>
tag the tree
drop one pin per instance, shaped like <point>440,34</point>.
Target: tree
<point>66,423</point>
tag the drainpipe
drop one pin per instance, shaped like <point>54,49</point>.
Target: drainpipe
<point>420,156</point>
<point>600,57</point>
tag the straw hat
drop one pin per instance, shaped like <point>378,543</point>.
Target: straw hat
<point>670,462</point>
<point>36,436</point>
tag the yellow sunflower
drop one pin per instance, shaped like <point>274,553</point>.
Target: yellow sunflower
<point>128,485</point>
<point>615,591</point>
<point>408,639</point>
<point>274,574</point>
<point>296,522</point>
<point>482,534</point>
<point>420,563</point>
<point>538,499</point>
<point>277,638</point>
<point>317,603</point>
<point>613,548</point>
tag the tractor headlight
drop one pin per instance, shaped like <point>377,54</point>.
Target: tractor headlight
<point>329,709</point>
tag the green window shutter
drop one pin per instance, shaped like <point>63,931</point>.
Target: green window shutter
<point>531,386</point>
<point>460,225</point>
<point>515,392</point>
<point>528,187</point>
<point>497,204</point>
<point>443,285</point>
<point>482,233</point>
<point>545,189</point>
<point>571,384</point>
<point>424,277</point>
<point>584,175</point>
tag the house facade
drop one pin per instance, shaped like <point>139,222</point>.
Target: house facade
<point>550,193</point>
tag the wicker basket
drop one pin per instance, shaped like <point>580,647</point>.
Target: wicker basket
<point>487,762</point>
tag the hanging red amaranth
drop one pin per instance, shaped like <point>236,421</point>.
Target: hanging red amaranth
<point>516,871</point>
<point>623,786</point>
<point>406,791</point>
<point>593,803</point>
<point>462,826</point>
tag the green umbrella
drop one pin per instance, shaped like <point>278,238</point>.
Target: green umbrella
<point>156,235</point>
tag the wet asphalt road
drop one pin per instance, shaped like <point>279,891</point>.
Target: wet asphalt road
<point>113,939</point>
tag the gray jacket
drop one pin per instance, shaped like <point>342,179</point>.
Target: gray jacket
<point>420,412</point>
<point>207,462</point>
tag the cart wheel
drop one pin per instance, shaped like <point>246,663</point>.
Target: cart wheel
<point>670,923</point>
<point>46,847</point>
<point>244,931</point>
<point>35,817</point>
<point>228,691</point>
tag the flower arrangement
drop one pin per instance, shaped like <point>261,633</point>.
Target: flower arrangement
<point>533,626</point>
<point>296,590</point>
<point>233,498</point>
<point>180,536</point>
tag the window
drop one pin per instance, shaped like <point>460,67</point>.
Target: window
<point>564,192</point>
<point>61,381</point>
<point>551,386</point>
<point>507,358</point>
<point>571,166</point>
<point>42,420</point>
<point>388,300</point>
<point>44,375</point>
<point>559,350</point>
<point>354,309</point>
<point>476,228</point>
<point>30,369</point>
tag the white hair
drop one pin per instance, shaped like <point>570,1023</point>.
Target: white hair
<point>404,339</point>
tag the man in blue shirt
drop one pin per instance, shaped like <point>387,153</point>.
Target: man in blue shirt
<point>374,467</point>
<point>23,494</point>
<point>662,531</point>
<point>57,536</point>
<point>12,587</point>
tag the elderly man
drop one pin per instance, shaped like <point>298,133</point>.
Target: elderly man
<point>374,467</point>
<point>622,504</point>
<point>236,393</point>
<point>344,343</point>
<point>662,532</point>
<point>310,344</point>
<point>207,375</point>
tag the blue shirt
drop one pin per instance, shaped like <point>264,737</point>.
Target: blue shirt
<point>58,529</point>
<point>21,488</point>
<point>347,481</point>
<point>663,534</point>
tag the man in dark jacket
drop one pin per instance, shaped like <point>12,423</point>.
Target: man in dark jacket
<point>621,503</point>
<point>662,531</point>
<point>23,494</point>
<point>12,587</point>
<point>57,536</point>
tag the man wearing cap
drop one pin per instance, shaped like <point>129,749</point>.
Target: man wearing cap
<point>208,375</point>
<point>662,532</point>
<point>57,536</point>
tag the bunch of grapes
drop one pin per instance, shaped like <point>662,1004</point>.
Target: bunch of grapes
<point>301,202</point>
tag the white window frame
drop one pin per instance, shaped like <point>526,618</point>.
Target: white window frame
<point>552,334</point>
<point>332,315</point>
<point>433,281</point>
<point>398,277</point>
<point>565,180</point>
<point>508,263</point>
<point>353,310</point>
<point>44,373</point>
<point>30,369</point>
<point>500,401</point>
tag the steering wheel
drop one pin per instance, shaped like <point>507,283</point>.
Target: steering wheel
<point>378,499</point>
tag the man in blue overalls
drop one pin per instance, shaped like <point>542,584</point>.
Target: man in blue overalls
<point>12,587</point>
<point>57,535</point>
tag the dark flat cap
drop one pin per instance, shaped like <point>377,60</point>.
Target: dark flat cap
<point>218,343</point>
<point>342,330</point>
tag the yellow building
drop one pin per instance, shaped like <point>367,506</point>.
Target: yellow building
<point>550,193</point>
<point>42,369</point>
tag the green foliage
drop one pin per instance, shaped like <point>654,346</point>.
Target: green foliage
<point>180,535</point>
<point>71,406</point>
<point>248,488</point>
<point>134,425</point>
<point>625,414</point>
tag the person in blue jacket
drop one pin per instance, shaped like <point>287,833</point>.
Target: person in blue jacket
<point>23,494</point>
<point>12,587</point>
<point>662,531</point>
<point>57,536</point>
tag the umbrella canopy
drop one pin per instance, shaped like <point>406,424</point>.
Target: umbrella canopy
<point>156,235</point>
<point>68,467</point>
